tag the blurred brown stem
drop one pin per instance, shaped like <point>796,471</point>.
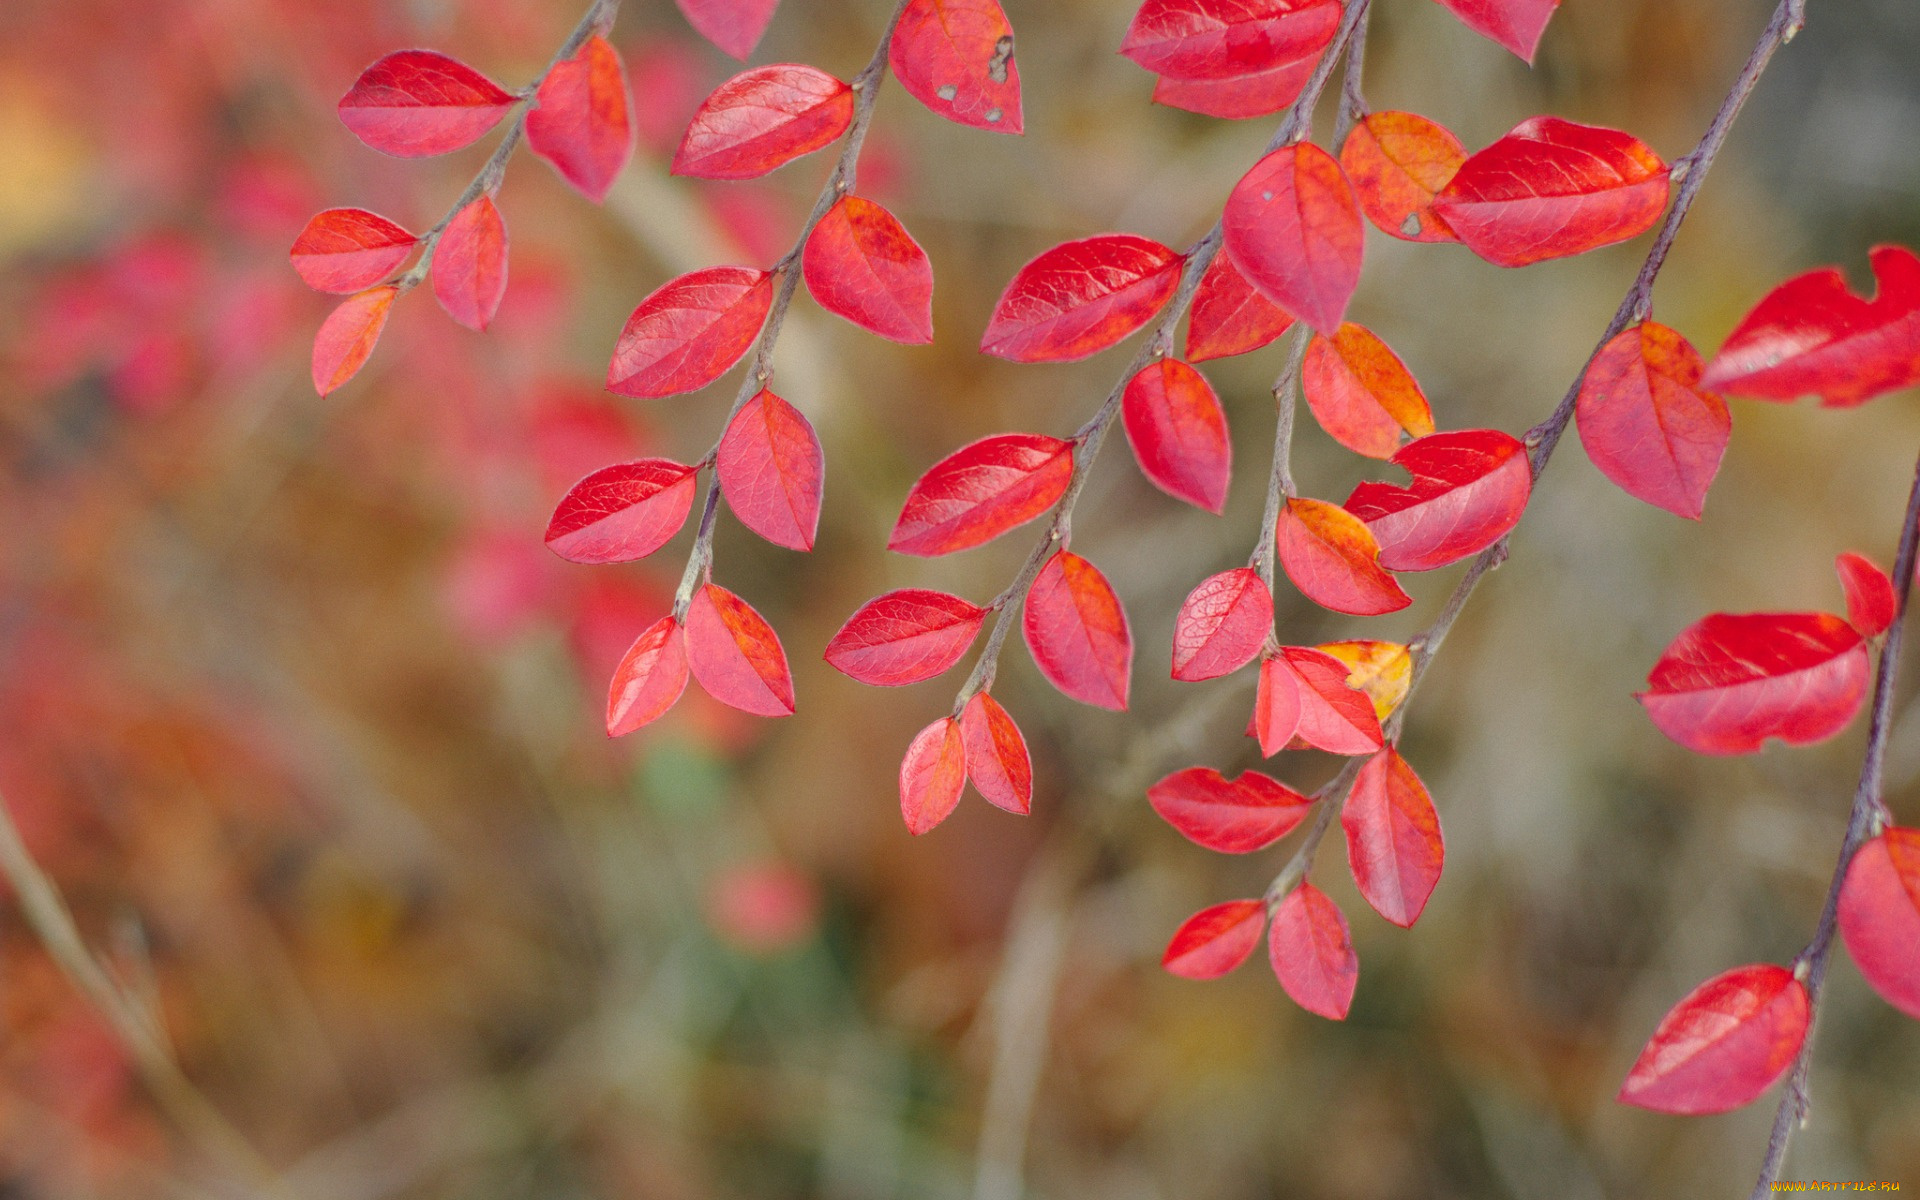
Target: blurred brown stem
<point>1868,812</point>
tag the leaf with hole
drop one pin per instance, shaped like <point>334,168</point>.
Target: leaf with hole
<point>1294,230</point>
<point>1398,162</point>
<point>956,57</point>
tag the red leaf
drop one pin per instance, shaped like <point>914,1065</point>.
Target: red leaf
<point>733,25</point>
<point>1220,39</point>
<point>1361,393</point>
<point>861,263</point>
<point>997,759</point>
<point>1222,625</point>
<point>1552,188</point>
<point>771,471</point>
<point>1077,632</point>
<point>1393,838</point>
<point>1812,335</point>
<point>1081,297</point>
<point>931,775</point>
<point>1870,599</point>
<point>1293,228</point>
<point>580,120</point>
<point>735,654</point>
<point>761,119</point>
<point>649,679</point>
<point>690,332</point>
<point>1233,816</point>
<point>470,265</point>
<point>1469,489</point>
<point>956,57</point>
<point>1880,916</point>
<point>1333,715</point>
<point>1333,559</point>
<point>904,637</point>
<point>348,336</point>
<point>1179,433</point>
<point>1215,940</point>
<point>1398,162</point>
<point>1733,680</point>
<point>1276,706</point>
<point>623,512</point>
<point>344,250</point>
<point>1647,423</point>
<point>980,491</point>
<point>1229,316</point>
<point>418,102</point>
<point>1723,1045</point>
<point>1312,952</point>
<point>1240,98</point>
<point>1515,24</point>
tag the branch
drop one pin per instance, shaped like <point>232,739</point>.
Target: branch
<point>1543,438</point>
<point>866,89</point>
<point>1086,442</point>
<point>135,1025</point>
<point>1868,814</point>
<point>598,19</point>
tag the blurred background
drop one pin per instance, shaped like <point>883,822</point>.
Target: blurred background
<point>305,722</point>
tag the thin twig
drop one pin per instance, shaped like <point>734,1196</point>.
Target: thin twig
<point>1159,340</point>
<point>52,923</point>
<point>1868,812</point>
<point>1543,438</point>
<point>866,90</point>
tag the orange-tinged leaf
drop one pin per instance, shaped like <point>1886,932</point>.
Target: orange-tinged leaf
<point>649,679</point>
<point>1870,598</point>
<point>1311,952</point>
<point>1233,816</point>
<point>580,122</point>
<point>1334,716</point>
<point>1813,335</point>
<point>1333,559</point>
<point>1551,188</point>
<point>1880,916</point>
<point>932,774</point>
<point>772,472</point>
<point>861,263</point>
<point>1221,625</point>
<point>689,332</point>
<point>1361,393</point>
<point>1725,1043</point>
<point>980,491</point>
<point>470,264</point>
<point>622,512</point>
<point>1515,24</point>
<point>996,755</point>
<point>1178,432</point>
<point>415,103</point>
<point>348,336</point>
<point>762,119</point>
<point>1241,97</point>
<point>735,655</point>
<point>1469,489</point>
<point>904,637</point>
<point>1220,39</point>
<point>1081,297</point>
<point>1393,838</point>
<point>1730,681</point>
<point>1077,632</point>
<point>1215,940</point>
<point>1398,162</point>
<point>343,250</point>
<point>1229,316</point>
<point>733,25</point>
<point>1383,670</point>
<point>1646,422</point>
<point>956,57</point>
<point>1293,228</point>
